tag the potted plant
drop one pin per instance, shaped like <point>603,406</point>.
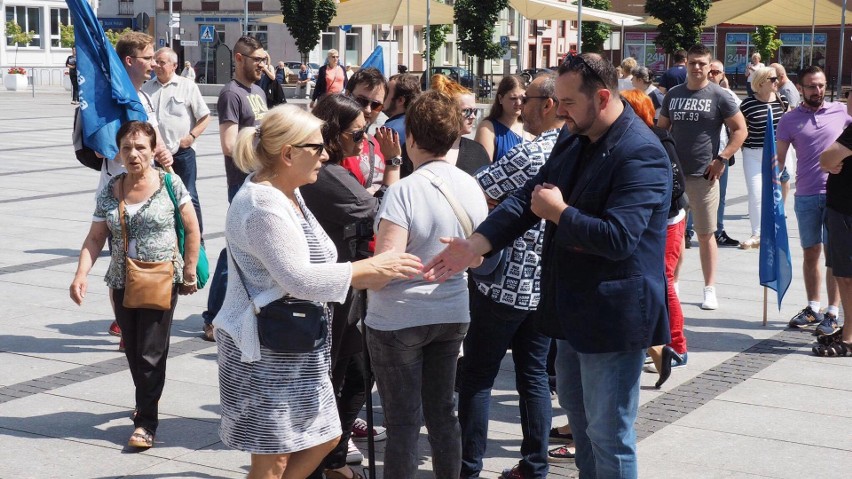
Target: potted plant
<point>16,77</point>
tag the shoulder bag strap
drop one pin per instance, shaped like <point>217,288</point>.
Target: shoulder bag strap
<point>461,214</point>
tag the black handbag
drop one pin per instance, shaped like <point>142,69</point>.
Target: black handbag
<point>289,325</point>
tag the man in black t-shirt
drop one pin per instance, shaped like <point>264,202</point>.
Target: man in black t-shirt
<point>675,75</point>
<point>71,65</point>
<point>837,160</point>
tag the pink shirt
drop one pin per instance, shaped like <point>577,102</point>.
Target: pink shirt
<point>334,79</point>
<point>810,133</point>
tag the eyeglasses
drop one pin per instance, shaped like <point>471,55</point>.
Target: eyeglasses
<point>163,63</point>
<point>525,99</point>
<point>366,102</point>
<point>715,72</point>
<point>357,135</point>
<point>147,59</point>
<point>772,79</point>
<point>579,61</point>
<point>258,59</point>
<point>317,147</point>
<point>334,56</point>
<point>470,112</point>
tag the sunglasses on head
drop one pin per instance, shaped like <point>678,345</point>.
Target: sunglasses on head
<point>470,112</point>
<point>357,135</point>
<point>579,61</point>
<point>318,148</point>
<point>366,102</point>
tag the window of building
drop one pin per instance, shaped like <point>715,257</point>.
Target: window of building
<point>641,47</point>
<point>796,51</point>
<point>29,18</point>
<point>260,32</point>
<point>328,41</point>
<point>255,6</point>
<point>353,42</point>
<point>449,49</point>
<point>58,16</point>
<point>209,6</point>
<point>738,50</point>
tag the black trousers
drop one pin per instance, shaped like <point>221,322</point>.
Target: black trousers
<point>146,334</point>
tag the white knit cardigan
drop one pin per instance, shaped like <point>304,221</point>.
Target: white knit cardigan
<point>265,236</point>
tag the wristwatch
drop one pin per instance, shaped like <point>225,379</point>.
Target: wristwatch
<point>724,160</point>
<point>395,161</point>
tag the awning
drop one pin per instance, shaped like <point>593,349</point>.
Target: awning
<point>385,12</point>
<point>553,10</point>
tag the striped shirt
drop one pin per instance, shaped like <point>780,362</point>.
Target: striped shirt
<point>755,112</point>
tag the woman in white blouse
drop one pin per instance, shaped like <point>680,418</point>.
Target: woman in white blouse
<point>280,406</point>
<point>188,71</point>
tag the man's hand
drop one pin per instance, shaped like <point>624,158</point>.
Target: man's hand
<point>186,141</point>
<point>714,170</point>
<point>163,156</point>
<point>459,255</point>
<point>388,142</point>
<point>547,202</point>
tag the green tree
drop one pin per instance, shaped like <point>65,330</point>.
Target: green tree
<point>66,35</point>
<point>17,36</point>
<point>475,20</point>
<point>681,22</point>
<point>113,36</point>
<point>437,38</point>
<point>765,42</point>
<point>306,20</point>
<point>595,33</point>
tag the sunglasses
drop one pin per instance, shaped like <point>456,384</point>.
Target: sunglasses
<point>715,72</point>
<point>366,102</point>
<point>357,135</point>
<point>579,61</point>
<point>525,99</point>
<point>317,147</point>
<point>470,112</point>
<point>772,79</point>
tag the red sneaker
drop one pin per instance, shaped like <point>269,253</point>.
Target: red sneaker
<point>121,345</point>
<point>114,330</point>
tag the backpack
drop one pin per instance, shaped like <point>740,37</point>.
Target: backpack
<point>85,155</point>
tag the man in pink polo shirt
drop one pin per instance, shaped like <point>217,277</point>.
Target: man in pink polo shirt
<point>811,128</point>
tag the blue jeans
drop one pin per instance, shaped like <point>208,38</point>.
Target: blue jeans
<point>186,169</point>
<point>600,393</point>
<point>219,280</point>
<point>493,329</point>
<point>415,370</point>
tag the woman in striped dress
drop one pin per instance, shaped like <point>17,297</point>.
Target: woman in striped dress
<point>764,84</point>
<point>280,406</point>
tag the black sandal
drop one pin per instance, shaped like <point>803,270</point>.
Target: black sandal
<point>837,348</point>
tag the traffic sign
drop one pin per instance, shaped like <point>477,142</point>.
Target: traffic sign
<point>189,43</point>
<point>207,33</point>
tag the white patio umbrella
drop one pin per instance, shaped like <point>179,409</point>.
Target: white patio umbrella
<point>386,12</point>
<point>553,10</point>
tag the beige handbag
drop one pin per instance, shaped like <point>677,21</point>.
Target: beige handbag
<point>147,284</point>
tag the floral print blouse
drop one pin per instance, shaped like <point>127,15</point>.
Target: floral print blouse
<point>153,228</point>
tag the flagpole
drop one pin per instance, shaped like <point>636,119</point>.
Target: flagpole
<point>765,300</point>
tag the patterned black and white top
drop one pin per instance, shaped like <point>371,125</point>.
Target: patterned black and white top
<point>755,113</point>
<point>520,278</point>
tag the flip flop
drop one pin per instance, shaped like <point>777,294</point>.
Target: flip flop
<point>144,439</point>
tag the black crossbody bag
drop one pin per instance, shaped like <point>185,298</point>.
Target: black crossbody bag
<point>289,325</point>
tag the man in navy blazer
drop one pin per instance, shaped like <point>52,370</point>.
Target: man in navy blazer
<point>605,193</point>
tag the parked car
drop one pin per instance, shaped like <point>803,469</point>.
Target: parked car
<point>461,75</point>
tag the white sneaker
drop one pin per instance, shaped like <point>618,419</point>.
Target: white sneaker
<point>710,301</point>
<point>353,455</point>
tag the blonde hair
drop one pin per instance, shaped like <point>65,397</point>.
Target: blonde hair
<point>258,149</point>
<point>627,65</point>
<point>760,75</point>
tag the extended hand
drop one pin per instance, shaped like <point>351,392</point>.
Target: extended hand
<point>387,266</point>
<point>547,202</point>
<point>456,257</point>
<point>388,142</point>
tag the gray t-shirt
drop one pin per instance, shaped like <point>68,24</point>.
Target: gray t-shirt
<point>789,90</point>
<point>697,117</point>
<point>419,207</point>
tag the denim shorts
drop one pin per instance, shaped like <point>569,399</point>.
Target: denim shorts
<point>838,256</point>
<point>810,214</point>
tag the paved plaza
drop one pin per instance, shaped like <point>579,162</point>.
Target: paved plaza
<point>752,402</point>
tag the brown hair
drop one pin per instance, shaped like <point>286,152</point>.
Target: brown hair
<point>434,120</point>
<point>338,111</point>
<point>596,73</point>
<point>407,86</point>
<point>641,103</point>
<point>134,127</point>
<point>247,44</point>
<point>371,77</point>
<point>132,42</point>
<point>507,84</point>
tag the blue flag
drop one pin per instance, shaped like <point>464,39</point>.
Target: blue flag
<point>375,60</point>
<point>776,268</point>
<point>107,96</point>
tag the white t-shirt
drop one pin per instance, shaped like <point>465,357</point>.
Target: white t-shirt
<point>419,207</point>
